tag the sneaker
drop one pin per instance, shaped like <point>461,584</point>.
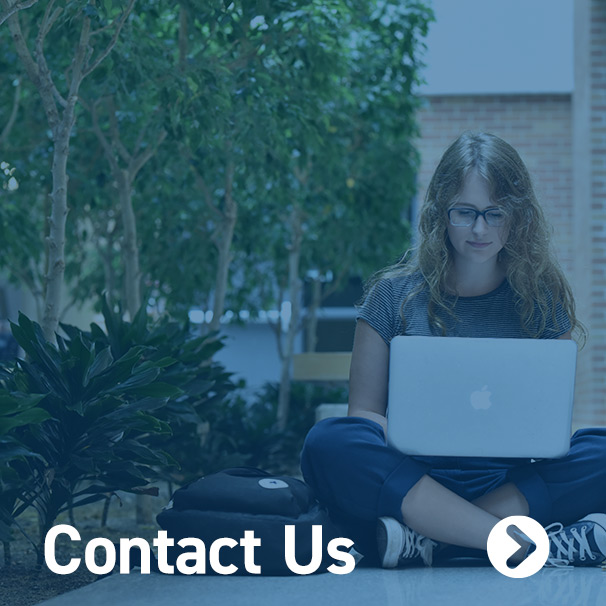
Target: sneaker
<point>580,544</point>
<point>398,544</point>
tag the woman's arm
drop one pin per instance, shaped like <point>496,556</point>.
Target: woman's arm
<point>368,375</point>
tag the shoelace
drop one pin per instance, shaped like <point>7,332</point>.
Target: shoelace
<point>417,545</point>
<point>565,545</point>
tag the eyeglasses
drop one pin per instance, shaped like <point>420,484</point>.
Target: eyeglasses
<point>466,217</point>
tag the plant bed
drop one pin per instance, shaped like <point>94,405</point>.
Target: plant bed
<point>22,583</point>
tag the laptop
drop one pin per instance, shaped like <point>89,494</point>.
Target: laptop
<point>464,397</point>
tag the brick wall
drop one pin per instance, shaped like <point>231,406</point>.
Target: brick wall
<point>595,206</point>
<point>562,139</point>
<point>540,128</point>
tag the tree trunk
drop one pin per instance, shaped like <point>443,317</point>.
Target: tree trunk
<point>222,279</point>
<point>294,287</point>
<point>132,287</point>
<point>223,243</point>
<point>57,221</point>
<point>105,511</point>
<point>312,315</point>
<point>130,250</point>
<point>125,177</point>
<point>60,124</point>
<point>105,253</point>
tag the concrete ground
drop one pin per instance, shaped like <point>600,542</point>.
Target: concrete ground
<point>454,586</point>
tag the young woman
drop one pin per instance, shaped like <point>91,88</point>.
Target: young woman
<point>483,268</point>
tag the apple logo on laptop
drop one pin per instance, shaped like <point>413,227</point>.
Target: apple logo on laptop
<point>480,400</point>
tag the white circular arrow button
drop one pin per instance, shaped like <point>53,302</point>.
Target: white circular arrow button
<point>501,546</point>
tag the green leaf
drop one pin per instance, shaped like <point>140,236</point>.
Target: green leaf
<point>85,501</point>
<point>135,380</point>
<point>137,330</point>
<point>158,390</point>
<point>102,361</point>
<point>120,371</point>
<point>16,401</point>
<point>85,464</point>
<point>11,449</point>
<point>164,362</point>
<point>146,422</point>
<point>27,417</point>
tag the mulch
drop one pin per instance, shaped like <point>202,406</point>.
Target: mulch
<point>24,583</point>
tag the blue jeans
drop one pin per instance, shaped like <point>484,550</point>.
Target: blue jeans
<point>359,478</point>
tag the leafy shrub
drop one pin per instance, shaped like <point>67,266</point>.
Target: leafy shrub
<point>245,433</point>
<point>108,411</point>
<point>16,410</point>
<point>98,410</point>
<point>185,362</point>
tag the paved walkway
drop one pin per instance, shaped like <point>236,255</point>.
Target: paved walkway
<point>468,586</point>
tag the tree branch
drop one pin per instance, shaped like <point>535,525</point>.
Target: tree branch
<point>115,133</point>
<point>47,23</point>
<point>12,10</point>
<point>135,163</point>
<point>105,28</point>
<point>42,82</point>
<point>247,55</point>
<point>230,206</point>
<point>107,148</point>
<point>141,160</point>
<point>36,69</point>
<point>11,119</point>
<point>142,132</point>
<point>113,41</point>
<point>201,183</point>
<point>78,63</point>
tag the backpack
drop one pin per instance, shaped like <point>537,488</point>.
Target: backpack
<point>223,506</point>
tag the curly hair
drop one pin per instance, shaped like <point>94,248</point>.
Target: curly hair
<point>530,265</point>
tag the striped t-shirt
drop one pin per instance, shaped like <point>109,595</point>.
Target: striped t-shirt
<point>491,315</point>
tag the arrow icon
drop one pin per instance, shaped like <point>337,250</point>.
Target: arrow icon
<point>501,546</point>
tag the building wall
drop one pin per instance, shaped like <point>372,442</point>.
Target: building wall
<point>597,144</point>
<point>540,128</point>
<point>589,147</point>
<point>490,47</point>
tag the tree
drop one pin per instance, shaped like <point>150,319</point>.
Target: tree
<point>12,9</point>
<point>250,145</point>
<point>60,107</point>
<point>342,184</point>
<point>139,112</point>
<point>24,195</point>
<point>237,58</point>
